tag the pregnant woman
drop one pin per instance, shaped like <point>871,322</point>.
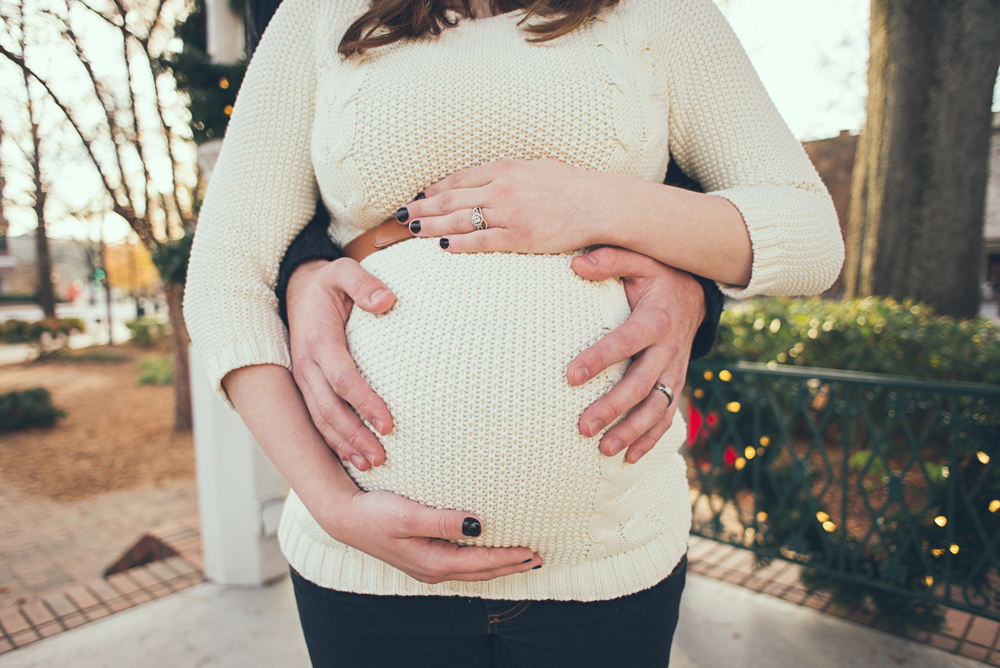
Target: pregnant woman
<point>531,135</point>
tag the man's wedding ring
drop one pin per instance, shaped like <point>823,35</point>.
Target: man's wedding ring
<point>477,219</point>
<point>667,391</point>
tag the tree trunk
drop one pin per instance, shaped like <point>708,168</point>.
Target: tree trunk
<point>46,293</point>
<point>182,380</point>
<point>919,185</point>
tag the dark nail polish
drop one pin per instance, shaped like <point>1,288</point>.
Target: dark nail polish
<point>471,527</point>
<point>444,244</point>
<point>536,567</point>
<point>402,214</point>
<point>415,227</point>
<point>526,561</point>
<point>420,195</point>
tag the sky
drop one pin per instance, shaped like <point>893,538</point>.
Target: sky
<point>810,54</point>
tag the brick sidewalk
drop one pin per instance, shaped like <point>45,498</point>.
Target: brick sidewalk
<point>46,546</point>
<point>25,623</point>
<point>964,634</point>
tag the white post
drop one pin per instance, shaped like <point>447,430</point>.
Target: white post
<point>240,493</point>
<point>225,32</point>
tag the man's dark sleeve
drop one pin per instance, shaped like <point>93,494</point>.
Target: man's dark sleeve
<point>707,333</point>
<point>313,242</point>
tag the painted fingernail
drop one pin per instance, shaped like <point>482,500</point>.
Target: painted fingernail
<point>471,527</point>
<point>596,426</point>
<point>444,243</point>
<point>415,227</point>
<point>420,195</point>
<point>378,425</point>
<point>402,214</point>
<point>358,461</point>
<point>590,259</point>
<point>536,567</point>
<point>616,446</point>
<point>581,375</point>
<point>375,296</point>
<point>526,561</point>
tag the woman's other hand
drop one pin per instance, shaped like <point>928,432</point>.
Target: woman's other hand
<point>417,540</point>
<point>668,306</point>
<point>320,297</point>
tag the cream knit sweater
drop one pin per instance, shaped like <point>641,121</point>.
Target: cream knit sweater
<point>471,360</point>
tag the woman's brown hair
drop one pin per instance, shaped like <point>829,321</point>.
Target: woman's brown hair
<point>389,21</point>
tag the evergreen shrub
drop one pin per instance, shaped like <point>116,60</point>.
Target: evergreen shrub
<point>28,408</point>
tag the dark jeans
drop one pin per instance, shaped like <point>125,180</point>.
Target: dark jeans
<point>343,629</point>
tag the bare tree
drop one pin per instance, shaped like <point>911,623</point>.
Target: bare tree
<point>919,183</point>
<point>142,125</point>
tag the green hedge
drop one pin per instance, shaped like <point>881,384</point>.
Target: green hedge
<point>19,331</point>
<point>156,370</point>
<point>146,332</point>
<point>871,334</point>
<point>28,408</point>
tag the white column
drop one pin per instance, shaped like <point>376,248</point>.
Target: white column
<point>240,493</point>
<point>225,32</point>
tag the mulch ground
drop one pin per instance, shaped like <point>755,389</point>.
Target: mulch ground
<point>117,435</point>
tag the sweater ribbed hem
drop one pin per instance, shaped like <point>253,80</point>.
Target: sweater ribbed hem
<point>328,563</point>
<point>765,238</point>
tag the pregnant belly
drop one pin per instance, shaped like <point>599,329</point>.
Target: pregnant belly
<point>471,362</point>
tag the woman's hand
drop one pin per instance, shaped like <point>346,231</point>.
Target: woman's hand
<point>668,306</point>
<point>537,206</point>
<point>416,540</point>
<point>320,296</point>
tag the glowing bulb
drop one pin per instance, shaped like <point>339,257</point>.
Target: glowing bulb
<point>708,375</point>
<point>994,505</point>
<point>829,527</point>
<point>822,517</point>
<point>699,393</point>
<point>762,516</point>
<point>765,441</point>
<point>725,376</point>
<point>228,111</point>
<point>983,457</point>
<point>953,549</point>
<point>937,552</point>
<point>733,407</point>
<point>750,453</point>
<point>929,581</point>
<point>740,463</point>
<point>223,82</point>
<point>940,520</point>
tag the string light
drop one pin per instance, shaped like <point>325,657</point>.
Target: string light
<point>929,581</point>
<point>983,457</point>
<point>829,527</point>
<point>228,111</point>
<point>725,376</point>
<point>699,393</point>
<point>953,549</point>
<point>749,452</point>
<point>762,516</point>
<point>223,82</point>
<point>994,505</point>
<point>733,407</point>
<point>940,520</point>
<point>937,552</point>
<point>708,375</point>
<point>740,463</point>
<point>765,441</point>
<point>822,517</point>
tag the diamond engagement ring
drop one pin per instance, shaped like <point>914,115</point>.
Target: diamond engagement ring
<point>667,391</point>
<point>477,219</point>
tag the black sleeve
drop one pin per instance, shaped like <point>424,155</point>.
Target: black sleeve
<point>313,242</point>
<point>707,333</point>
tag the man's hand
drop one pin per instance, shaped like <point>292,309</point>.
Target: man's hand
<point>668,306</point>
<point>320,297</point>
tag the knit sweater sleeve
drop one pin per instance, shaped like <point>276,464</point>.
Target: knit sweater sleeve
<point>262,193</point>
<point>726,133</point>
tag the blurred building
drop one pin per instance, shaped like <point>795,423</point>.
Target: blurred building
<point>69,265</point>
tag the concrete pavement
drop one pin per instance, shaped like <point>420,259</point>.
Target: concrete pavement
<point>721,625</point>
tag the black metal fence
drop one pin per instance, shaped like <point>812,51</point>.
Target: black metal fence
<point>889,483</point>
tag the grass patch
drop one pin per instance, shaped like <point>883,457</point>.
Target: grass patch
<point>156,370</point>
